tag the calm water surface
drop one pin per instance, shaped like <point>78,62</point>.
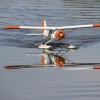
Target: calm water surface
<point>49,83</point>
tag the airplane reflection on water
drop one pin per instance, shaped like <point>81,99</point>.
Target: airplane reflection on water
<point>57,60</point>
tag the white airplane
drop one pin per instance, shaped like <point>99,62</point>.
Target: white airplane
<point>53,33</point>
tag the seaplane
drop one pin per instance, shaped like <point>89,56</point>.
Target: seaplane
<point>55,60</point>
<point>52,33</point>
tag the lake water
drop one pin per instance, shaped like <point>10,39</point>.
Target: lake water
<point>49,83</point>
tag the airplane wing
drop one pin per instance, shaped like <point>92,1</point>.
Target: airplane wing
<point>29,27</point>
<point>52,28</point>
<point>80,64</point>
<point>28,66</point>
<point>79,26</point>
<point>67,66</point>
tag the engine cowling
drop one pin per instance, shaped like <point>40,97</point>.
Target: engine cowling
<point>59,34</point>
<point>60,61</point>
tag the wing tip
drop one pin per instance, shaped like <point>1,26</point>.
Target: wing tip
<point>11,27</point>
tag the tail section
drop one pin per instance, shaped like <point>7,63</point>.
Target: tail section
<point>43,25</point>
<point>46,59</point>
<point>45,32</point>
<point>42,57</point>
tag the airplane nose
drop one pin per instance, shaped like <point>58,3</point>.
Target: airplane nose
<point>60,61</point>
<point>60,34</point>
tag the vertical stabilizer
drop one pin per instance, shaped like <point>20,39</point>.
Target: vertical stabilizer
<point>45,32</point>
<point>46,59</point>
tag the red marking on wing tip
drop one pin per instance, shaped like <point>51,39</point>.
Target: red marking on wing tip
<point>96,67</point>
<point>11,27</point>
<point>96,25</point>
<point>11,67</point>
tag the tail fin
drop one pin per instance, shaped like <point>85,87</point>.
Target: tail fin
<point>42,57</point>
<point>46,59</point>
<point>45,32</point>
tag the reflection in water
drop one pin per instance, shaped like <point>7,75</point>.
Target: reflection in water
<point>55,59</point>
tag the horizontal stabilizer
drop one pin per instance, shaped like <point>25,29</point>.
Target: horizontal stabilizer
<point>35,54</point>
<point>34,34</point>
